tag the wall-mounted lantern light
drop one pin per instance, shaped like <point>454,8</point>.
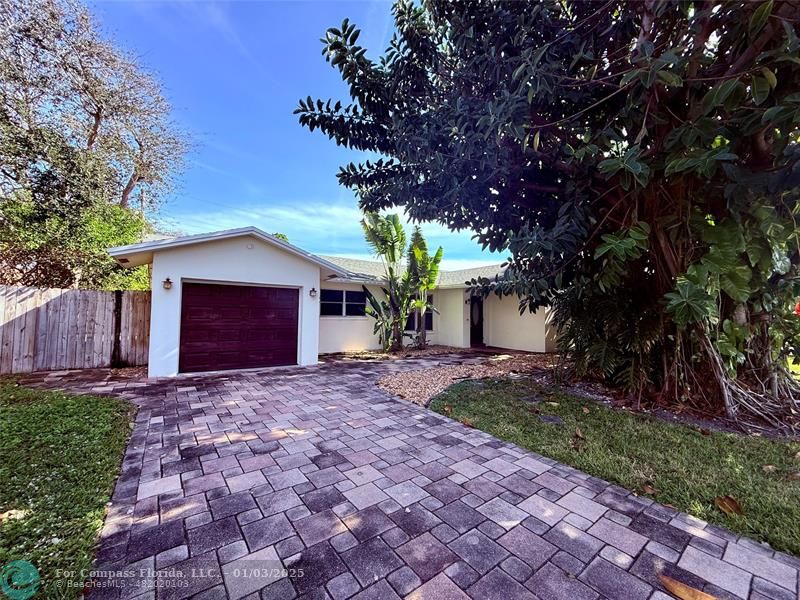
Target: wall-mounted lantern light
<point>312,292</point>
<point>167,283</point>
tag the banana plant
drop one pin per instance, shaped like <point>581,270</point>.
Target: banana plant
<point>387,237</point>
<point>423,272</point>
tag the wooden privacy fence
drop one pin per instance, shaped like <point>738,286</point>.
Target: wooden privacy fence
<point>51,329</point>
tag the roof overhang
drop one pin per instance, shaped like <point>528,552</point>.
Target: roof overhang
<point>136,255</point>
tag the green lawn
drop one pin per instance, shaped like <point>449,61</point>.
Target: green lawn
<point>59,457</point>
<point>687,468</point>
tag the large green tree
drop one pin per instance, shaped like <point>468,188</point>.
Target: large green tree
<point>638,160</point>
<point>86,144</point>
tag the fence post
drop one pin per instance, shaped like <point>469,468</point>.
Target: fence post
<point>116,348</point>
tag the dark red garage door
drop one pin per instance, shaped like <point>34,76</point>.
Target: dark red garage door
<point>237,327</point>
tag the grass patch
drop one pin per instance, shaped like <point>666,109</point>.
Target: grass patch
<point>687,468</point>
<point>59,457</point>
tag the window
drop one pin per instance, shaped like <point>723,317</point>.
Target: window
<point>331,303</point>
<point>354,303</point>
<point>411,322</point>
<point>338,303</point>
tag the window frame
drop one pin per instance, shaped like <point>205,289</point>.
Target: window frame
<point>428,315</point>
<point>342,302</point>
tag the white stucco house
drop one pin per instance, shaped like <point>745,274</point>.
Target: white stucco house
<point>242,298</point>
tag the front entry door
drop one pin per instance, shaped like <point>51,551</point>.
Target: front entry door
<point>476,321</point>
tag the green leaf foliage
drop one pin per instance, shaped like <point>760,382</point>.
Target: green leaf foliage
<point>638,162</point>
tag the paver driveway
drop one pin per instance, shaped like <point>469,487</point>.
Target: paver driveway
<point>314,483</point>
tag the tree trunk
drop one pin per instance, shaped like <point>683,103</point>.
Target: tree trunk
<point>97,117</point>
<point>124,201</point>
<point>397,337</point>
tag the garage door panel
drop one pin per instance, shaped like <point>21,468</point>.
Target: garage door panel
<point>235,327</point>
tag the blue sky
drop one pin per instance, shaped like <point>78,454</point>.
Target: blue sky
<point>234,72</point>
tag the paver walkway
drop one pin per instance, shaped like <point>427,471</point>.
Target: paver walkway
<point>314,483</point>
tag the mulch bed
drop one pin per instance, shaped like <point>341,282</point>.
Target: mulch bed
<point>422,385</point>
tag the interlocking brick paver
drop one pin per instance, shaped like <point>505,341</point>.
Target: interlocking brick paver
<point>245,481</point>
<point>648,566</point>
<point>543,509</point>
<point>157,487</point>
<point>232,504</point>
<point>267,531</point>
<point>440,587</point>
<point>279,501</point>
<point>531,464</point>
<point>616,557</point>
<point>528,546</point>
<point>585,507</point>
<point>415,519</point>
<point>575,541</point>
<point>435,471</point>
<point>468,468</point>
<point>764,566</point>
<point>371,561</point>
<point>551,583</point>
<point>445,490</point>
<point>661,532</point>
<point>213,535</point>
<point>716,571</point>
<point>497,585</point>
<point>251,573</point>
<point>501,466</point>
<point>362,475</point>
<point>483,488</point>
<point>461,574</point>
<point>203,484</point>
<point>766,589</point>
<point>322,499</point>
<point>404,580</point>
<point>519,485</point>
<point>426,555</point>
<point>368,523</point>
<point>155,540</point>
<point>613,582</point>
<point>459,516</point>
<point>232,551</point>
<point>477,550</point>
<point>280,590</point>
<point>370,497</point>
<point>286,479</point>
<point>406,493</point>
<point>516,568</point>
<point>621,537</point>
<point>342,586</point>
<point>315,567</point>
<point>504,514</point>
<point>365,495</point>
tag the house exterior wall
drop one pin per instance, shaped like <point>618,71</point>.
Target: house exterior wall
<point>452,321</point>
<point>352,334</point>
<point>347,334</point>
<point>504,327</point>
<point>241,260</point>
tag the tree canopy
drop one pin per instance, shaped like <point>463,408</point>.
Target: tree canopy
<point>638,160</point>
<point>84,131</point>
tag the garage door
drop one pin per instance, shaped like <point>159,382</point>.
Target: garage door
<point>237,327</point>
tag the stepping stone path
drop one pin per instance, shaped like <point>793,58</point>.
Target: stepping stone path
<point>312,482</point>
